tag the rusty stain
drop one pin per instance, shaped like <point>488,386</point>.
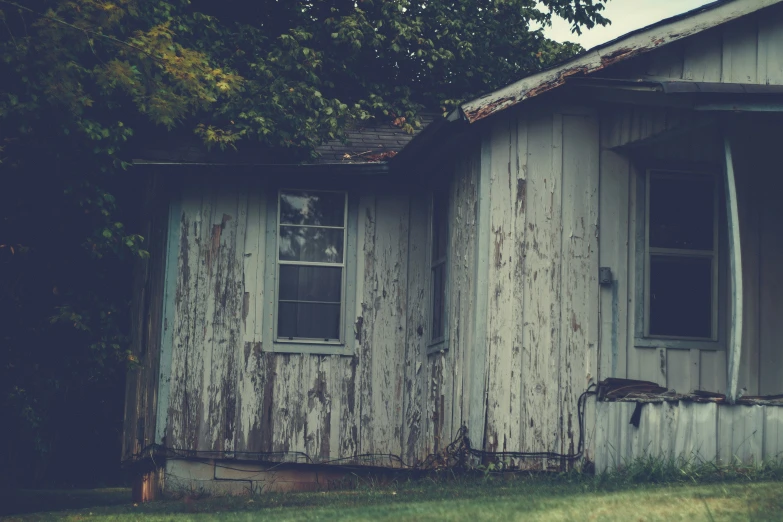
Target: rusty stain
<point>490,108</point>
<point>575,326</point>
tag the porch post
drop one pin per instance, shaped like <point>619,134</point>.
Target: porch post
<point>734,345</point>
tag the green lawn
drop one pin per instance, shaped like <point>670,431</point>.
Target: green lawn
<point>464,499</point>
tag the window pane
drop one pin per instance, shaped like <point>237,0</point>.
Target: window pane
<point>682,211</point>
<point>681,296</point>
<point>312,208</point>
<point>310,283</point>
<point>308,321</point>
<point>438,300</point>
<point>440,225</point>
<point>321,245</point>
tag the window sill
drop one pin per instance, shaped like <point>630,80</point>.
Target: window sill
<point>678,344</point>
<point>437,346</point>
<point>311,348</point>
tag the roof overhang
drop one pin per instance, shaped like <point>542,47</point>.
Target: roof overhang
<point>701,96</point>
<point>632,44</point>
<point>260,169</point>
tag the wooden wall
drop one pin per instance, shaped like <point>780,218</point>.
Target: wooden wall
<point>758,182</point>
<point>141,389</point>
<point>229,393</point>
<point>745,51</point>
<point>542,173</point>
<point>748,50</point>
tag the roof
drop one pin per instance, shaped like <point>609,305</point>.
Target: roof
<point>373,141</point>
<point>628,46</point>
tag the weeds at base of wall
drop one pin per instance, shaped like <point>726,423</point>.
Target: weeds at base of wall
<point>693,470</point>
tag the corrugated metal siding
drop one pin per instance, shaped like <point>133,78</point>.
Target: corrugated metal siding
<point>695,432</point>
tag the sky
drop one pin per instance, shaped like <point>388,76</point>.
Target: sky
<point>626,15</point>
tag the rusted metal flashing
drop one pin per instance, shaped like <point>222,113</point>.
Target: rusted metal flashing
<point>626,47</point>
<point>631,390</point>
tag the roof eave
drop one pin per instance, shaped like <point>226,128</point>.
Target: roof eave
<point>632,44</point>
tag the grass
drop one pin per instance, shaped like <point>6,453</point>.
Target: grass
<point>644,491</point>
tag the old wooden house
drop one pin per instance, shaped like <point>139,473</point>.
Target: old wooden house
<point>584,266</point>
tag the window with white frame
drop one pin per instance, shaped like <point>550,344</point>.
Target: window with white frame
<point>311,244</point>
<point>439,233</point>
<point>681,256</point>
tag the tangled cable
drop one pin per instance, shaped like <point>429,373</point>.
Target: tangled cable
<point>456,455</point>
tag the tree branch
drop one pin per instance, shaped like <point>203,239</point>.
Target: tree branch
<point>85,31</point>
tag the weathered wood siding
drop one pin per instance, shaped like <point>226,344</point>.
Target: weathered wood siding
<point>141,390</point>
<point>748,50</point>
<point>745,51</point>
<point>541,312</point>
<point>758,182</point>
<point>689,431</point>
<point>229,393</point>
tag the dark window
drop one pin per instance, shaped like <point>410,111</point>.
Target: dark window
<point>681,255</point>
<point>311,260</point>
<point>440,241</point>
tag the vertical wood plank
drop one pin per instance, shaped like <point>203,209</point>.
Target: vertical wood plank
<point>417,332</point>
<point>518,410</point>
<point>703,57</point>
<point>387,315</point>
<point>541,355</point>
<point>478,378</point>
<point>579,285</point>
<point>500,313</point>
<point>770,47</point>
<point>734,345</point>
<point>740,39</point>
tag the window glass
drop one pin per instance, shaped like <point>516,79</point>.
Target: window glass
<point>312,208</point>
<point>682,255</point>
<point>310,283</point>
<point>681,296</point>
<point>313,244</point>
<point>311,265</point>
<point>681,211</point>
<point>308,321</point>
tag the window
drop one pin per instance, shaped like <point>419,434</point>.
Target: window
<point>681,256</point>
<point>311,262</point>
<point>439,233</point>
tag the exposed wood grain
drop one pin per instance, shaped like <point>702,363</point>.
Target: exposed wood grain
<point>501,313</point>
<point>417,333</point>
<point>462,252</point>
<point>540,351</point>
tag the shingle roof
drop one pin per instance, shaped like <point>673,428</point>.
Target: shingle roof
<point>373,141</point>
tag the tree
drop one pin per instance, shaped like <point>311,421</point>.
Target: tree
<point>85,81</point>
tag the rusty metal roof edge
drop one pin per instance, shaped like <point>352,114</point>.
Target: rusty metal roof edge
<point>625,47</point>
